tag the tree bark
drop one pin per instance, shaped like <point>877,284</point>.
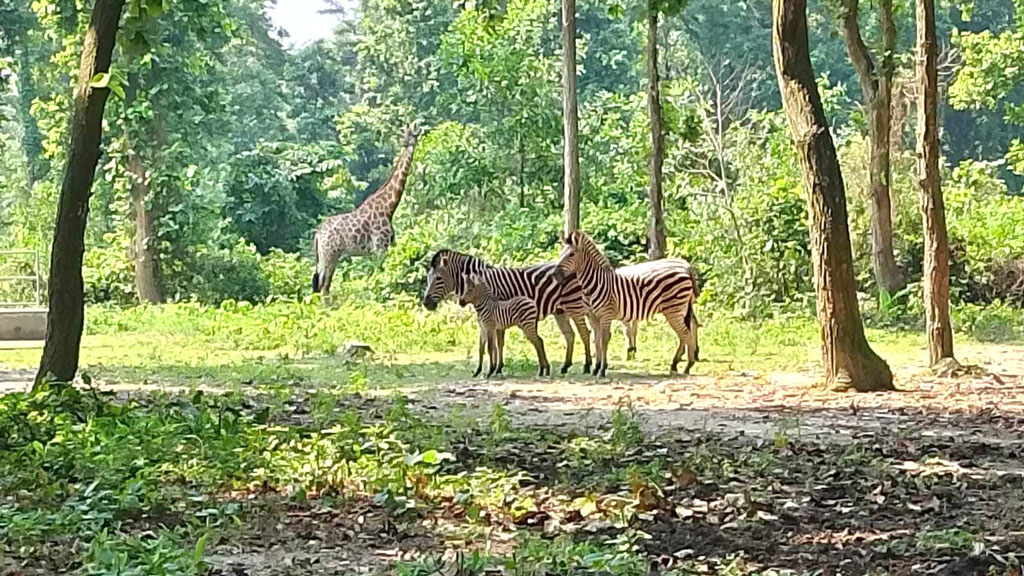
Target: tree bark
<point>656,235</point>
<point>570,120</point>
<point>65,319</point>
<point>848,360</point>
<point>936,238</point>
<point>144,244</point>
<point>876,86</point>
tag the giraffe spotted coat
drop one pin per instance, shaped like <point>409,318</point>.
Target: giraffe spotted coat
<point>367,230</point>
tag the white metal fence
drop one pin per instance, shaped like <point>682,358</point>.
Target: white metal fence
<point>34,281</point>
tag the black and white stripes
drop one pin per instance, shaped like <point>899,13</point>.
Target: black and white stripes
<point>630,294</point>
<point>565,300</point>
<point>495,316</point>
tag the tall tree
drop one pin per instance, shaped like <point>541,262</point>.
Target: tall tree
<point>16,38</point>
<point>847,358</point>
<point>656,234</point>
<point>66,292</point>
<point>570,120</point>
<point>936,238</point>
<point>876,86</point>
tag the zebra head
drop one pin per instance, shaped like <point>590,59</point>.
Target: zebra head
<point>475,290</point>
<point>440,280</point>
<point>572,258</point>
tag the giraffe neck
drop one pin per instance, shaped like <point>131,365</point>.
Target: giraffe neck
<point>390,194</point>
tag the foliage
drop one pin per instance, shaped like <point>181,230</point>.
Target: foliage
<point>246,146</point>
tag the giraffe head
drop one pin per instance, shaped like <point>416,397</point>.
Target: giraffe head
<point>411,134</point>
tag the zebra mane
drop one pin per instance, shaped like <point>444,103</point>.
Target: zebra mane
<point>459,260</point>
<point>587,245</point>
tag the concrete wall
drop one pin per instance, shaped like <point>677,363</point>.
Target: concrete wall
<point>23,324</point>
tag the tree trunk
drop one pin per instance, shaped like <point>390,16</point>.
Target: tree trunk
<point>656,235</point>
<point>144,254</point>
<point>936,239</point>
<point>570,141</point>
<point>847,358</point>
<point>877,89</point>
<point>65,319</point>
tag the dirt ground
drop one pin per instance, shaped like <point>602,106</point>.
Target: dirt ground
<point>986,402</point>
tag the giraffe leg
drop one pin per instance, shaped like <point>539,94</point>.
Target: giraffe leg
<point>570,340</point>
<point>325,286</point>
<point>530,330</point>
<point>678,321</point>
<point>581,327</point>
<point>629,329</point>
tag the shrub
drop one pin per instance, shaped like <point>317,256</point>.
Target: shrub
<point>215,274</point>
<point>287,274</point>
<point>109,274</point>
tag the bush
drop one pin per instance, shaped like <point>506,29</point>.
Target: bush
<point>287,274</point>
<point>995,322</point>
<point>216,274</point>
<point>109,274</point>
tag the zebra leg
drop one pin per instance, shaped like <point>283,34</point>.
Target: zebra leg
<point>570,340</point>
<point>530,330</point>
<point>693,324</point>
<point>686,338</point>
<point>501,349</point>
<point>480,351</point>
<point>492,351</point>
<point>629,329</point>
<point>581,327</point>
<point>595,325</point>
<point>606,336</point>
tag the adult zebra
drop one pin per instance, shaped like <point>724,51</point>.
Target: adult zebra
<point>631,294</point>
<point>563,299</point>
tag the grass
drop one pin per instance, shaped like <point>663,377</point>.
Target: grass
<point>287,342</point>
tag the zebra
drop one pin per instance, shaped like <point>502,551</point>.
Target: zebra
<point>637,293</point>
<point>563,299</point>
<point>495,316</point>
<point>629,329</point>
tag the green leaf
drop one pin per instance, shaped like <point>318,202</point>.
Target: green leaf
<point>101,80</point>
<point>197,555</point>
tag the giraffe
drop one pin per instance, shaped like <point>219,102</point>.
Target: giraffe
<point>366,230</point>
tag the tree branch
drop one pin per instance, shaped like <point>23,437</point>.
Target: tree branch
<point>860,57</point>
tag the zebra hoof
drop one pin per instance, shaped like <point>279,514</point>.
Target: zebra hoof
<point>586,368</point>
<point>565,368</point>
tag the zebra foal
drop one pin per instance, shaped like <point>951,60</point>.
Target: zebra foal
<point>631,294</point>
<point>495,316</point>
<point>448,269</point>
